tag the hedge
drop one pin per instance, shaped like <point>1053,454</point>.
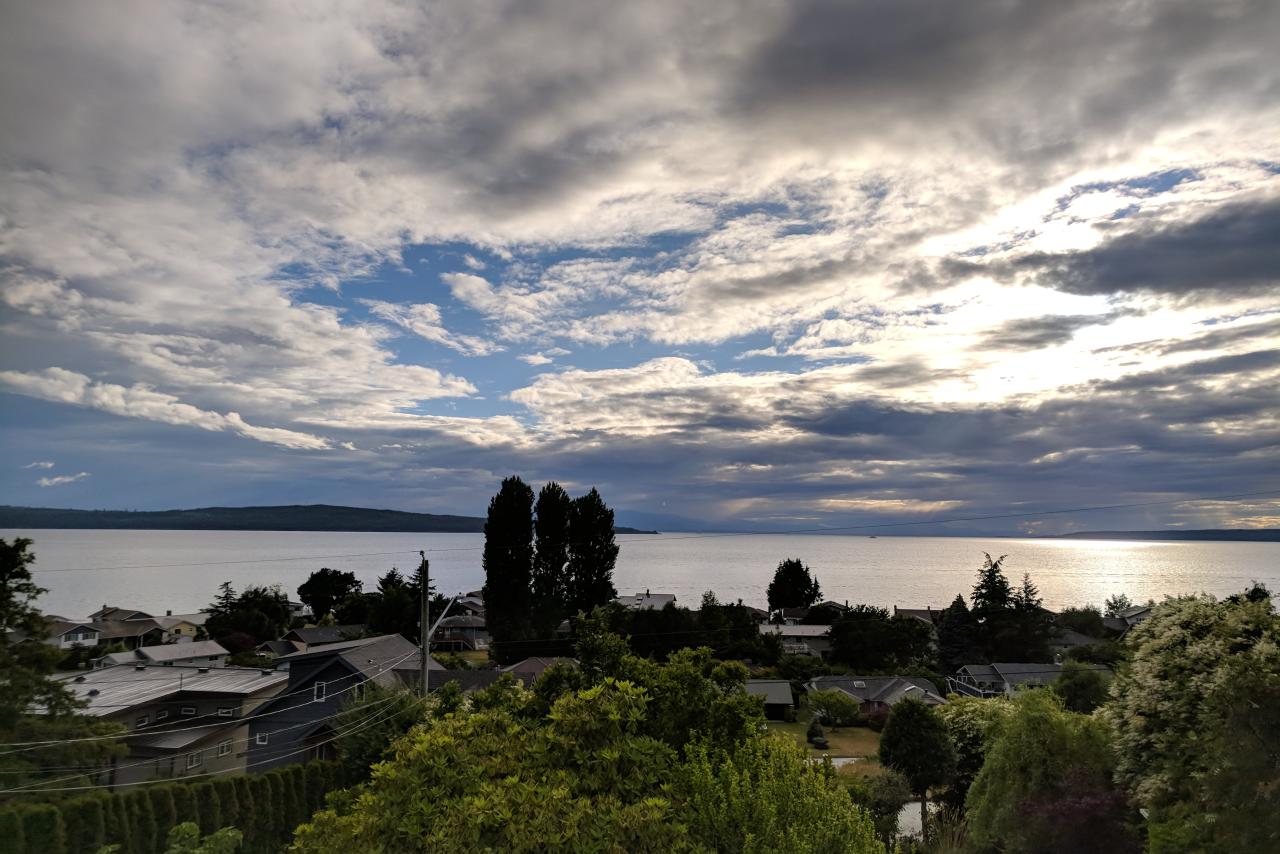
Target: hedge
<point>266,807</point>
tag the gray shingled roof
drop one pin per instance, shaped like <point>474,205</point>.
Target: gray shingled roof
<point>179,651</point>
<point>879,689</point>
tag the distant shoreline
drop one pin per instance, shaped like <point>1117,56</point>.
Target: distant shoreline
<point>295,517</point>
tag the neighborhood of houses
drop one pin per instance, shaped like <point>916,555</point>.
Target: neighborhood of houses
<point>188,711</point>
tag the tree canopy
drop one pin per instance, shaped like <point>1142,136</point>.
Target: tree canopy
<point>793,586</point>
<point>1196,716</point>
<point>325,588</point>
<point>916,744</point>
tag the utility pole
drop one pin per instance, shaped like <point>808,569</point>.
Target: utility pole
<point>424,630</point>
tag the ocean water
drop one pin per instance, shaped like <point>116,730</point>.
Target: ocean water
<point>180,571</point>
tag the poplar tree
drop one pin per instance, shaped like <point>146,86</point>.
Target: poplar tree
<point>508,567</point>
<point>550,589</point>
<point>593,553</point>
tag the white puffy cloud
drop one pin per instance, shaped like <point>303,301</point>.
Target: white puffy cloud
<point>424,320</point>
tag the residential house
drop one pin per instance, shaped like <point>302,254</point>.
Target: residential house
<point>181,721</point>
<point>927,614</point>
<point>461,632</point>
<point>112,612</point>
<point>1006,678</point>
<point>313,636</point>
<point>1064,640</point>
<point>1136,614</point>
<point>778,701</point>
<point>299,725</point>
<point>299,610</point>
<point>132,633</point>
<point>65,634</point>
<point>469,607</point>
<point>536,665</point>
<point>801,640</point>
<point>180,628</point>
<point>647,601</point>
<point>192,653</point>
<point>879,693</point>
<point>277,648</point>
<point>790,616</point>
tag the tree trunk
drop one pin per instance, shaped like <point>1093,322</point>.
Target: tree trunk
<point>924,816</point>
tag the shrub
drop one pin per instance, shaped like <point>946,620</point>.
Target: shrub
<point>84,823</point>
<point>11,840</point>
<point>814,731</point>
<point>184,806</point>
<point>208,806</point>
<point>876,719</point>
<point>42,829</point>
<point>163,805</point>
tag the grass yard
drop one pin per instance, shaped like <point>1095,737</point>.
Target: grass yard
<point>860,742</point>
<point>475,657</point>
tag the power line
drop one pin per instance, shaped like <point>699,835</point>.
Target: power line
<point>660,538</point>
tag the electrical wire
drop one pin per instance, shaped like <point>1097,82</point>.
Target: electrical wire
<point>36,745</point>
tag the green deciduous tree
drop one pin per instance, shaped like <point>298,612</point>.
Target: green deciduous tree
<point>1196,716</point>
<point>1081,688</point>
<point>370,723</point>
<point>973,725</point>
<point>185,839</point>
<point>593,553</point>
<point>325,588</point>
<point>868,640</point>
<point>793,586</point>
<point>916,744</point>
<point>508,566</point>
<point>834,707</point>
<point>1046,785</point>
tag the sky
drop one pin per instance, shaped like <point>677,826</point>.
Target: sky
<point>748,265</point>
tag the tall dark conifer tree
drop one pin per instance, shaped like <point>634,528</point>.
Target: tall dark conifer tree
<point>592,553</point>
<point>508,567</point>
<point>550,562</point>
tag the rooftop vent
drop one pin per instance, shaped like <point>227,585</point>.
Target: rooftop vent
<point>93,692</point>
<point>202,670</point>
<point>79,678</point>
<point>266,672</point>
<point>858,683</point>
<point>139,667</point>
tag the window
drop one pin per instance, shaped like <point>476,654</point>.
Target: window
<point>224,748</point>
<point>188,711</point>
<point>226,711</point>
<point>193,760</point>
<point>162,714</point>
<point>318,692</point>
<point>260,738</point>
<point>213,658</point>
<point>142,721</point>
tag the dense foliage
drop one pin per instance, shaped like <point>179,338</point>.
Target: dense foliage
<point>241,621</point>
<point>1046,784</point>
<point>793,586</point>
<point>1197,721</point>
<point>867,640</point>
<point>918,746</point>
<point>590,776</point>
<point>326,588</point>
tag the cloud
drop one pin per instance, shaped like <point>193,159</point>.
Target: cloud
<point>62,479</point>
<point>990,250</point>
<point>137,401</point>
<point>39,464</point>
<point>424,320</point>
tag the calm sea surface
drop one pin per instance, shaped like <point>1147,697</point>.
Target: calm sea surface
<point>181,570</point>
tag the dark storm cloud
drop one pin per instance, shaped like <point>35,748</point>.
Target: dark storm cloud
<point>1234,249</point>
<point>1036,333</point>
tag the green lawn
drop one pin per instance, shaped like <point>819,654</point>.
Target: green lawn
<point>861,742</point>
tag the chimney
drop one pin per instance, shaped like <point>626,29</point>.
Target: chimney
<point>169,613</point>
<point>646,592</point>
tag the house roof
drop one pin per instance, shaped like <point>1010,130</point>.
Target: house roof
<point>113,690</point>
<point>1015,673</point>
<point>1070,637</point>
<point>280,647</point>
<point>774,691</point>
<point>58,628</point>
<point>367,655</point>
<point>321,635</point>
<point>928,614</point>
<point>111,629</point>
<point>537,665</point>
<point>179,651</point>
<point>880,689</point>
<point>647,600</point>
<point>462,621</point>
<point>113,612</point>
<point>803,631</point>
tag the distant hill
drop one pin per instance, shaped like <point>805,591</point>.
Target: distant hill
<point>1249,535</point>
<point>293,517</point>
